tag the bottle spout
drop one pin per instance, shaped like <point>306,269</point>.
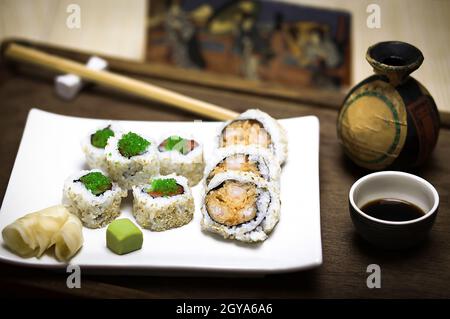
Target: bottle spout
<point>394,59</point>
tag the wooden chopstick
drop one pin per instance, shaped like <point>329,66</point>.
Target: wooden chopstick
<point>122,83</point>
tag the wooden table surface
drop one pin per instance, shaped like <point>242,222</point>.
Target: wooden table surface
<point>422,272</point>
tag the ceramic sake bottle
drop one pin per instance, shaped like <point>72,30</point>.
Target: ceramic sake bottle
<point>389,120</point>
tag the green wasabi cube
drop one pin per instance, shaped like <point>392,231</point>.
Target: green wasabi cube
<point>123,237</point>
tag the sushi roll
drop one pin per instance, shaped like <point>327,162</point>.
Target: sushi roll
<point>251,159</point>
<point>93,145</point>
<point>255,127</point>
<point>93,197</point>
<point>131,159</point>
<point>165,203</point>
<point>240,206</point>
<point>183,157</point>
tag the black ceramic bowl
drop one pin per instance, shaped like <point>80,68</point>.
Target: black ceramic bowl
<point>398,185</point>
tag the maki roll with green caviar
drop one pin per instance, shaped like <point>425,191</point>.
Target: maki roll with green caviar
<point>165,202</point>
<point>93,197</point>
<point>183,157</point>
<point>94,144</point>
<point>131,159</point>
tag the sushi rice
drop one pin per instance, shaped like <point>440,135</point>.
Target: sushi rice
<point>163,213</point>
<point>136,170</point>
<point>267,209</point>
<point>233,156</point>
<point>278,137</point>
<point>95,156</point>
<point>93,211</point>
<point>190,165</point>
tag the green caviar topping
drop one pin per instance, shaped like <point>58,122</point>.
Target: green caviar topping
<point>100,138</point>
<point>163,186</point>
<point>132,144</point>
<point>96,182</point>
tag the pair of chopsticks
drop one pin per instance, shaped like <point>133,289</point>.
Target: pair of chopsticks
<point>119,82</point>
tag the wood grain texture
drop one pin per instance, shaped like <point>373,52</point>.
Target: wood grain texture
<point>332,98</point>
<point>423,272</point>
<point>24,54</point>
<point>313,97</point>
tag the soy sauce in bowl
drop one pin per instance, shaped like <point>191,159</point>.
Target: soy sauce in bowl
<point>392,209</point>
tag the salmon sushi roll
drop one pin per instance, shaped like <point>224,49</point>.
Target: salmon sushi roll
<point>240,206</point>
<point>165,202</point>
<point>131,159</point>
<point>255,127</point>
<point>183,157</point>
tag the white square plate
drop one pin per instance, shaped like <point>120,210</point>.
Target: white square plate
<point>50,151</point>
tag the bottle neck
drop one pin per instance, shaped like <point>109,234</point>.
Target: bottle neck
<point>395,60</point>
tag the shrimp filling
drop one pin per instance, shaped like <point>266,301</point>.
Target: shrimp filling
<point>232,203</point>
<point>238,162</point>
<point>245,132</point>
